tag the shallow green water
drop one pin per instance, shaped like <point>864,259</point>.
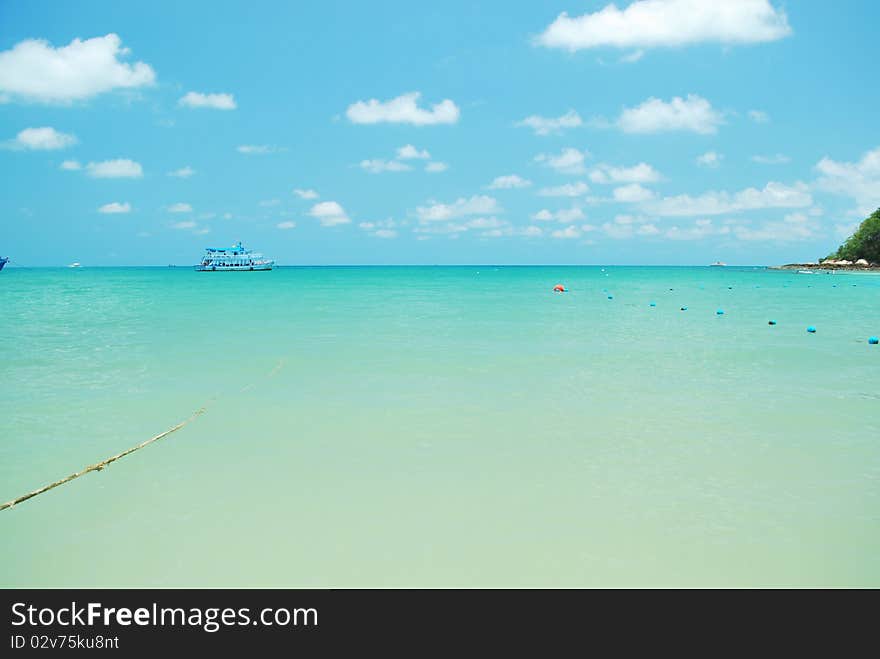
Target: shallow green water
<point>441,426</point>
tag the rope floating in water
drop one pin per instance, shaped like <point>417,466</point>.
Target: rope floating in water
<point>98,466</point>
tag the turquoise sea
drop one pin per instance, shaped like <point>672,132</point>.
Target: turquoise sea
<point>441,426</point>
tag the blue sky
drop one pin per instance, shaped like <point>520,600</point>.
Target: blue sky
<point>655,132</point>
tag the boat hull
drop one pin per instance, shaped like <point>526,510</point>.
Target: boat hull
<point>3,261</point>
<point>235,268</point>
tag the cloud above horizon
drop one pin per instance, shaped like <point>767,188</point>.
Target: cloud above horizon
<point>115,207</point>
<point>183,172</point>
<point>258,149</point>
<point>568,161</point>
<point>475,205</point>
<point>772,195</point>
<point>45,138</point>
<point>692,114</point>
<point>305,194</point>
<point>377,166</point>
<point>35,71</point>
<point>409,152</point>
<point>119,168</point>
<point>859,180</point>
<point>551,125</point>
<point>509,182</point>
<point>329,213</point>
<point>668,24</point>
<point>403,109</point>
<point>609,174</point>
<point>212,101</point>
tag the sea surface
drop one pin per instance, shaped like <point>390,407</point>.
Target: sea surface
<point>441,426</point>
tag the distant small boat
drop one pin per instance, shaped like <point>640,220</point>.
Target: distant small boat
<point>3,261</point>
<point>75,264</point>
<point>233,259</point>
<point>806,272</point>
<point>718,264</point>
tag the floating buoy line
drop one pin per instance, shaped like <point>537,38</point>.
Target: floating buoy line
<point>559,288</point>
<point>99,466</point>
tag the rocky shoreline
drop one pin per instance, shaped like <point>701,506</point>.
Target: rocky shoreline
<point>830,266</point>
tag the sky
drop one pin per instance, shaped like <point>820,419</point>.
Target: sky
<point>568,131</point>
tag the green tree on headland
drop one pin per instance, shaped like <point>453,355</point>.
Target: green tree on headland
<point>864,243</point>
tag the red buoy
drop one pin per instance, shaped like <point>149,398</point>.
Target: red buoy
<point>559,288</point>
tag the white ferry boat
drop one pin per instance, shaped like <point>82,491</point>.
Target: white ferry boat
<point>225,259</point>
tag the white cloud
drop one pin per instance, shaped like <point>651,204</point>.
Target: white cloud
<point>694,114</point>
<point>409,152</point>
<point>576,189</point>
<point>329,213</point>
<point>858,180</point>
<point>608,174</point>
<point>632,193</point>
<point>305,194</point>
<point>42,139</point>
<point>286,225</point>
<point>34,70</point>
<point>569,161</point>
<point>183,172</point>
<point>378,166</point>
<point>380,229</point>
<point>119,168</point>
<point>508,182</point>
<point>115,207</point>
<point>551,125</point>
<point>71,165</point>
<point>710,159</point>
<point>436,167</point>
<point>489,227</point>
<point>759,116</point>
<point>773,195</point>
<point>564,215</point>
<point>568,233</point>
<point>213,101</point>
<point>402,110</point>
<point>257,149</point>
<point>180,207</point>
<point>668,23</point>
<point>628,226</point>
<point>699,230</point>
<point>793,228</point>
<point>633,57</point>
<point>476,205</point>
<point>269,203</point>
<point>184,225</point>
<point>777,159</point>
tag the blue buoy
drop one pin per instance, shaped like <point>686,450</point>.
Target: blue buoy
<point>684,308</point>
<point>874,340</point>
<point>652,304</point>
<point>720,312</point>
<point>811,329</point>
<point>772,322</point>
